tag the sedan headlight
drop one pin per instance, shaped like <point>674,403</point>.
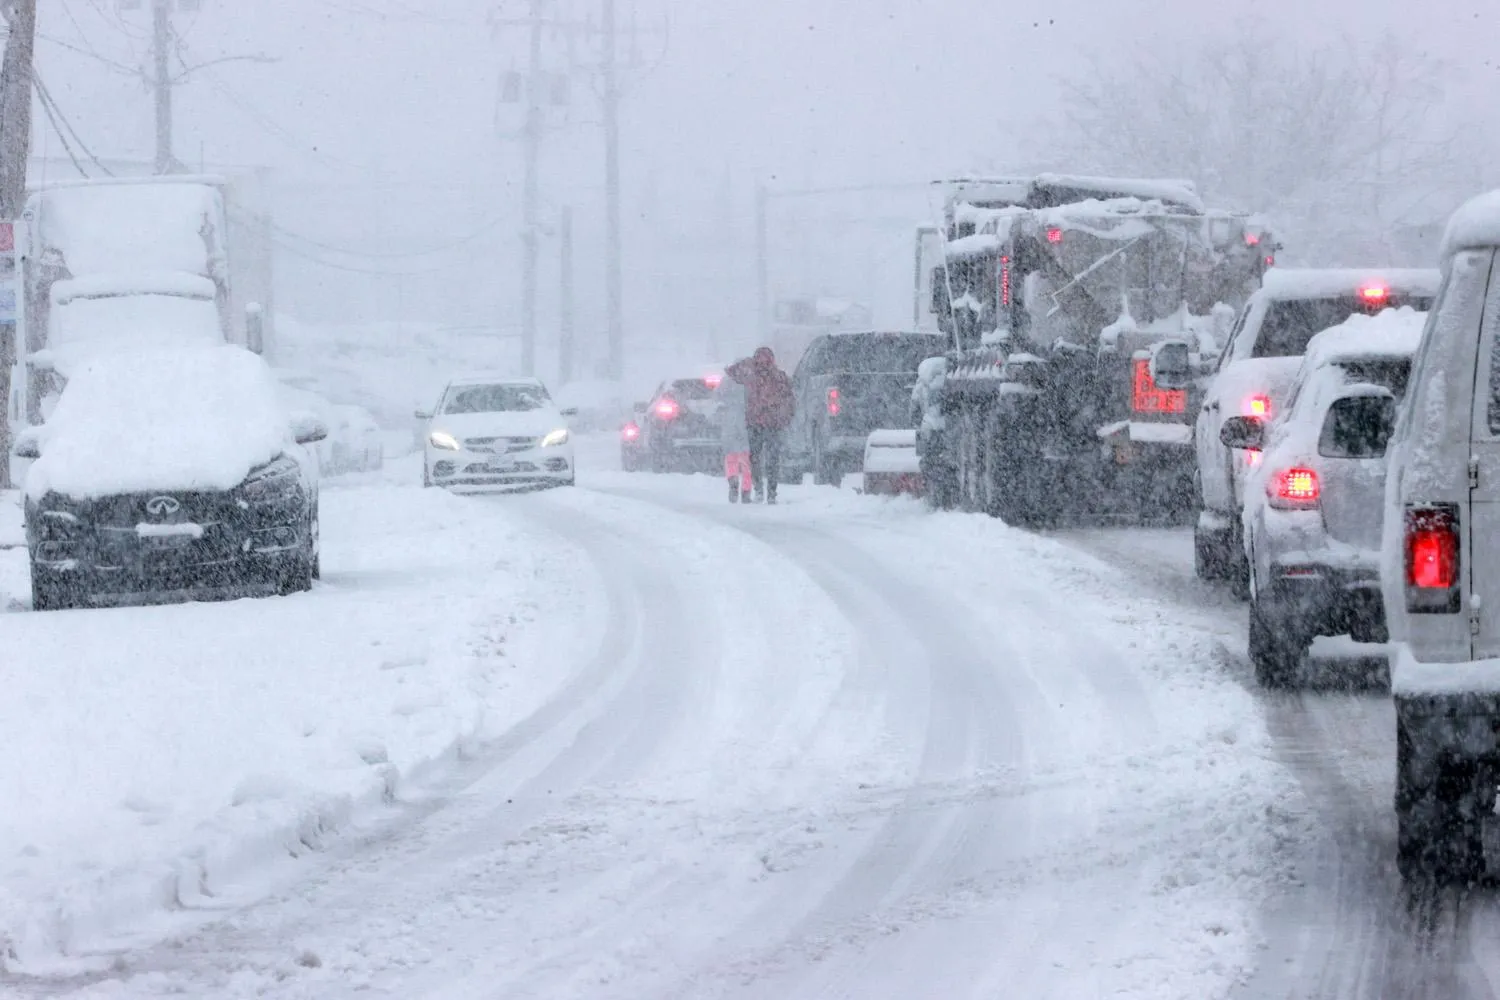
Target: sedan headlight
<point>559,436</point>
<point>443,440</point>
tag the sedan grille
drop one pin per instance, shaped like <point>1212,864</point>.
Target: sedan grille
<point>499,445</point>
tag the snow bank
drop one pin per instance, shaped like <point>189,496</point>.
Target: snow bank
<point>1475,225</point>
<point>160,420</point>
<point>175,761</point>
<point>1312,283</point>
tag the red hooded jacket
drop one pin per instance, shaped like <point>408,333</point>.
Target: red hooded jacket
<point>770,402</point>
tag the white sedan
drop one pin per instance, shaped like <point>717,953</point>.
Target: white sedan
<point>492,431</point>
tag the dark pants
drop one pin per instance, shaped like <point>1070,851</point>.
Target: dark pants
<point>765,459</point>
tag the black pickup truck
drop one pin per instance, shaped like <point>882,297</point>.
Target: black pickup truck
<point>847,385</point>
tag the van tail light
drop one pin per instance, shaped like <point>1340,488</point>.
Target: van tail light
<point>1258,406</point>
<point>668,409</point>
<point>834,406</point>
<point>1296,488</point>
<point>1432,560</point>
<point>630,432</point>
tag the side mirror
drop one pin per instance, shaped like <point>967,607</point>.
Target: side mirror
<point>424,414</point>
<point>1358,426</point>
<point>28,444</point>
<point>571,411</point>
<point>1172,364</point>
<point>1243,433</point>
<point>307,428</point>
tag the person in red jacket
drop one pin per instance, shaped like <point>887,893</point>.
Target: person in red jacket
<point>769,407</point>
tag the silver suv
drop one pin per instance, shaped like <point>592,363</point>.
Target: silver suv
<point>1313,497</point>
<point>1257,366</point>
<point>1441,546</point>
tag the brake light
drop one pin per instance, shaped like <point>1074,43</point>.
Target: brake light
<point>1252,239</point>
<point>1054,235</point>
<point>834,407</point>
<point>1296,488</point>
<point>1258,406</point>
<point>630,432</point>
<point>1374,293</point>
<point>668,409</point>
<point>713,381</point>
<point>1145,397</point>
<point>1432,560</point>
<point>1270,260</point>
<point>1005,281</point>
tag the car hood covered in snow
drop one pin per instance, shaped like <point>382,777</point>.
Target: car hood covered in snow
<point>188,419</point>
<point>526,423</point>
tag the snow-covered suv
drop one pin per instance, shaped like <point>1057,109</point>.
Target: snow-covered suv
<point>1441,546</point>
<point>1313,503</point>
<point>1255,370</point>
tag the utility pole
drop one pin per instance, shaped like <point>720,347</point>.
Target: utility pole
<point>613,292</point>
<point>161,82</point>
<point>565,346</point>
<point>532,136</point>
<point>762,261</point>
<point>15,148</point>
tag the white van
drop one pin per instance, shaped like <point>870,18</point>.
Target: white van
<point>1441,562</point>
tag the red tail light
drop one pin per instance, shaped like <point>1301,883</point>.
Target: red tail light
<point>630,432</point>
<point>1054,235</point>
<point>1270,260</point>
<point>713,381</point>
<point>1145,397</point>
<point>834,407</point>
<point>1374,293</point>
<point>1005,281</point>
<point>1258,406</point>
<point>668,409</point>
<point>1252,239</point>
<point>1432,560</point>
<point>1296,488</point>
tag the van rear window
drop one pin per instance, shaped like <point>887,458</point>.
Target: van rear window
<point>1292,323</point>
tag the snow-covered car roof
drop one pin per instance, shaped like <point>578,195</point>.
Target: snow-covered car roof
<point>1389,334</point>
<point>1319,283</point>
<point>1475,224</point>
<point>495,378</point>
<point>153,419</point>
<point>121,283</point>
<point>1175,191</point>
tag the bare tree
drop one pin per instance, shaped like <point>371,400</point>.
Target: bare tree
<point>1337,143</point>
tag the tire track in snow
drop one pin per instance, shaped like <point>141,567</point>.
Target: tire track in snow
<point>1352,930</point>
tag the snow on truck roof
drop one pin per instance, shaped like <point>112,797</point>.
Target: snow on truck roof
<point>1476,224</point>
<point>1179,192</point>
<point>1317,283</point>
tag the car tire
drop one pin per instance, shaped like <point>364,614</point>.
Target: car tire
<point>1208,555</point>
<point>49,594</point>
<point>826,471</point>
<point>1276,647</point>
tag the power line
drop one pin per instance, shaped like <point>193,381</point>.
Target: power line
<point>484,230</point>
<point>55,114</point>
<point>51,113</point>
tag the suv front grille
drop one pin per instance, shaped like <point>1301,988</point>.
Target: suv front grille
<point>500,445</point>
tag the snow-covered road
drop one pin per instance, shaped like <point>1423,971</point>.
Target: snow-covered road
<point>838,748</point>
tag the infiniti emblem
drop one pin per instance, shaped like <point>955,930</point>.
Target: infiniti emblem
<point>162,506</point>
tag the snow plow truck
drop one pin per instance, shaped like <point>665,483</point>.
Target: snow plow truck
<point>1080,312</point>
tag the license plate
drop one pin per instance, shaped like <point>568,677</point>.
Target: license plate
<point>502,464</point>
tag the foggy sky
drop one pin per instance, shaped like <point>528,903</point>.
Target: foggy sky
<point>379,120</point>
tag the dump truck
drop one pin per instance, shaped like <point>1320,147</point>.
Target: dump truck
<point>1079,311</point>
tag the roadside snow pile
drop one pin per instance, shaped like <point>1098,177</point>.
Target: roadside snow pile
<point>154,420</point>
<point>165,763</point>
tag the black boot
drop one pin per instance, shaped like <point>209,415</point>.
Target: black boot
<point>734,491</point>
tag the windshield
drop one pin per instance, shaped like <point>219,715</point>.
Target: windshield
<point>1290,324</point>
<point>879,353</point>
<point>499,398</point>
